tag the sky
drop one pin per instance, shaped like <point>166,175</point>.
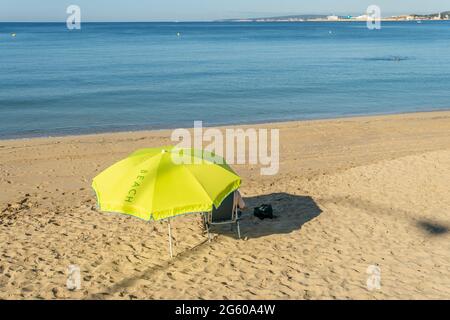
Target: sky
<point>200,10</point>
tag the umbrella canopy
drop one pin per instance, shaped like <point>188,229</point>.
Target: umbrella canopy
<point>150,185</point>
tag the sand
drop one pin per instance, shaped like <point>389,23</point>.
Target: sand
<point>351,193</point>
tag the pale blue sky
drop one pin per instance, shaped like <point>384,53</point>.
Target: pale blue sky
<point>170,10</point>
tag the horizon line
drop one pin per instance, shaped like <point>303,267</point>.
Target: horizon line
<point>215,20</point>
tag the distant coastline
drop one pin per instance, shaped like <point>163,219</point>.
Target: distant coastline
<point>344,18</point>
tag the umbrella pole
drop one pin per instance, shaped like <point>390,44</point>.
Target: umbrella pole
<point>170,239</point>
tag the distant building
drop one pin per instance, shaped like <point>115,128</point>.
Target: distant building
<point>404,18</point>
<point>363,17</point>
<point>333,18</point>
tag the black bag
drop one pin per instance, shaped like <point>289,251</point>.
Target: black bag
<point>263,211</point>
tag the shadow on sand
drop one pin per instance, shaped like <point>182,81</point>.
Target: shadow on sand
<point>428,227</point>
<point>290,211</point>
<point>433,228</point>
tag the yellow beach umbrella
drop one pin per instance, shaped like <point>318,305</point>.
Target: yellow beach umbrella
<point>160,183</point>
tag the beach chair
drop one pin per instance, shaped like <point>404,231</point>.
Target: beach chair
<point>226,213</point>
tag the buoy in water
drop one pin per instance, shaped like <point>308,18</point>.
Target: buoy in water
<point>178,34</point>
<point>13,35</point>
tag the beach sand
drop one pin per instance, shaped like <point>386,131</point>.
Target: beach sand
<point>350,193</point>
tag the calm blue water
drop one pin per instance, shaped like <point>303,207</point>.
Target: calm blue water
<point>131,76</point>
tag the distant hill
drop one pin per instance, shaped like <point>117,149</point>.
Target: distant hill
<point>445,14</point>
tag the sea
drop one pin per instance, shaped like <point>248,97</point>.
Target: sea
<point>109,77</point>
